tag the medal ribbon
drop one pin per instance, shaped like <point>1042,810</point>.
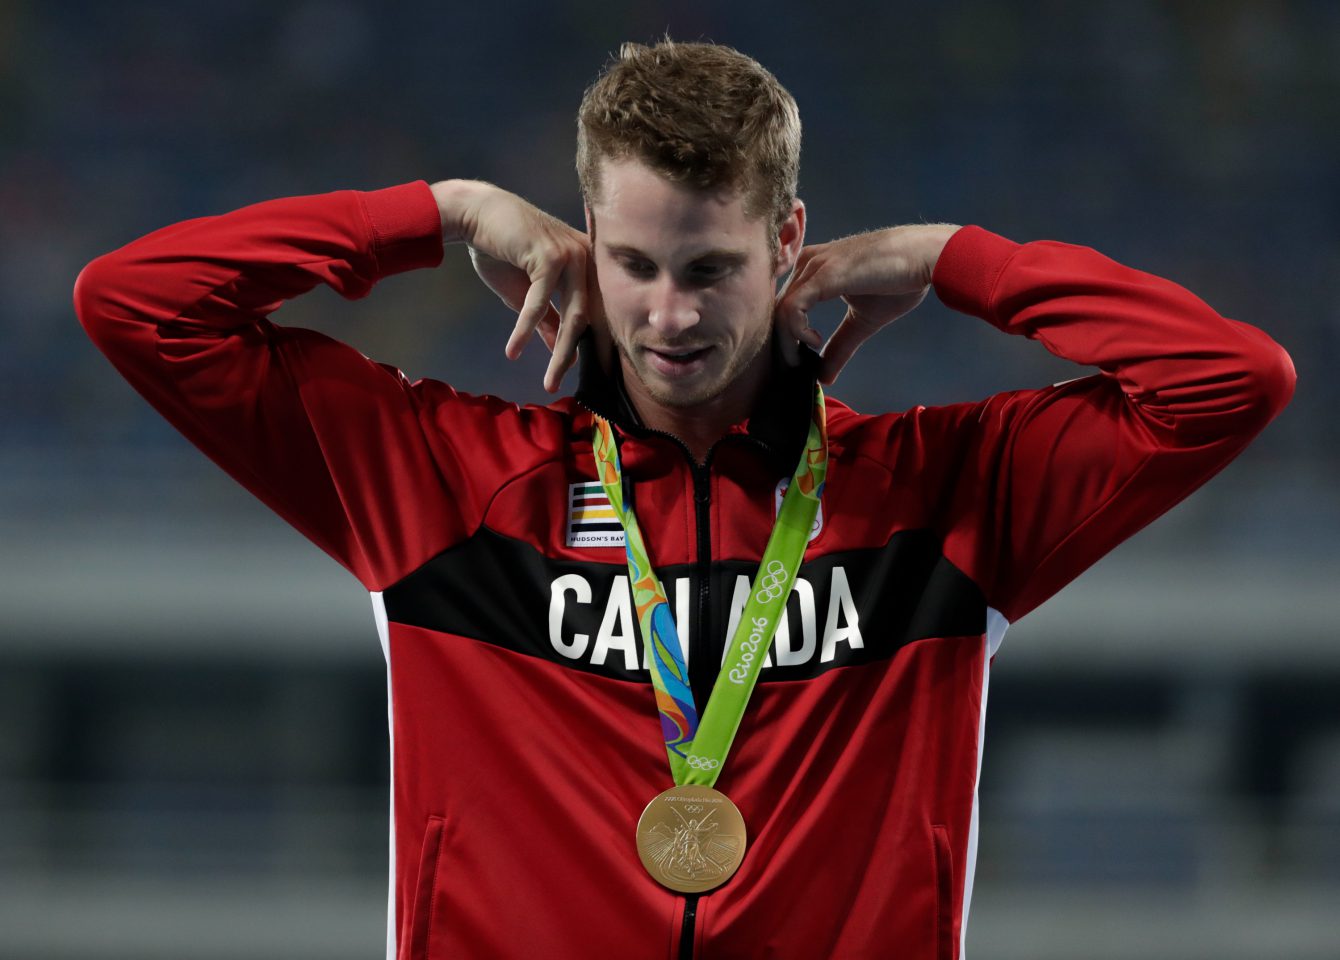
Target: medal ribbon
<point>697,751</point>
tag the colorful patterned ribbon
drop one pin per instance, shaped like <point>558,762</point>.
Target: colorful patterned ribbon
<point>697,751</point>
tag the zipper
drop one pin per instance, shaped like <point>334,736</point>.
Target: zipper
<point>702,506</point>
<point>686,928</point>
<point>702,503</point>
<point>698,643</point>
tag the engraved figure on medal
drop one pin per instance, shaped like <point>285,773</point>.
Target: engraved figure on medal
<point>691,838</point>
<point>690,853</point>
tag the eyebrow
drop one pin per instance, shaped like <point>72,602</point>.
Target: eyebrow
<point>716,253</point>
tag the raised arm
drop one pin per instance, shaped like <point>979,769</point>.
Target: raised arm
<point>1034,486</point>
<point>345,449</point>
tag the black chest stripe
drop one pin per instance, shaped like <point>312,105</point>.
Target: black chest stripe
<point>848,608</point>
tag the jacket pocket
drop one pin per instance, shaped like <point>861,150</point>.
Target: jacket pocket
<point>945,946</point>
<point>422,906</point>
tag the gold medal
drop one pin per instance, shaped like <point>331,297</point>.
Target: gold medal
<point>691,838</point>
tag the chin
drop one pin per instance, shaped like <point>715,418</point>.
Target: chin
<point>681,396</point>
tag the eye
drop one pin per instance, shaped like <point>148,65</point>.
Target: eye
<point>641,269</point>
<point>708,272</point>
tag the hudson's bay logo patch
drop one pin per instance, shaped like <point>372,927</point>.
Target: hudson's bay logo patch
<point>777,508</point>
<point>591,518</point>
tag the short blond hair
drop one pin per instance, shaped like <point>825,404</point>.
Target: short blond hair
<point>697,113</point>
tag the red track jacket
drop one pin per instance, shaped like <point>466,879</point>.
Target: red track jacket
<point>525,738</point>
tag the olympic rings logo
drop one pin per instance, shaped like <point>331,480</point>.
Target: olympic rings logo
<point>773,582</point>
<point>702,763</point>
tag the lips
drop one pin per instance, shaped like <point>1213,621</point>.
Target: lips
<point>679,361</point>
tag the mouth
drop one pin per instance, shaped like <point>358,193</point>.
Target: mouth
<point>677,362</point>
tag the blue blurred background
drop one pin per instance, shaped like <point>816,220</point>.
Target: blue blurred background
<point>192,714</point>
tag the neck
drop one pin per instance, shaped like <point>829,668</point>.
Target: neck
<point>700,426</point>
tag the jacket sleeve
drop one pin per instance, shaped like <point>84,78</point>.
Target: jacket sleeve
<point>1040,484</point>
<point>330,440</point>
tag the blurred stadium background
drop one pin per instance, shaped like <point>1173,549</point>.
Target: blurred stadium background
<point>192,714</point>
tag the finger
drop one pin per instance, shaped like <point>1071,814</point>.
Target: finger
<point>532,312</point>
<point>793,325</point>
<point>797,269</point>
<point>807,334</point>
<point>572,324</point>
<point>812,287</point>
<point>796,323</point>
<point>547,328</point>
<point>843,344</point>
<point>558,373</point>
<point>784,306</point>
<point>796,278</point>
<point>807,284</point>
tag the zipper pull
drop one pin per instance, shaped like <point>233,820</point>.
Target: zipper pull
<point>702,484</point>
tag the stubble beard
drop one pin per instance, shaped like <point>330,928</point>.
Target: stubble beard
<point>684,397</point>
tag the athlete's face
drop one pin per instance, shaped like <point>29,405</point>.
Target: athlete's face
<point>687,281</point>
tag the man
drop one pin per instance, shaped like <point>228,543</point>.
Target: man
<point>516,555</point>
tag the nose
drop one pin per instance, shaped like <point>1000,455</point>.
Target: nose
<point>673,310</point>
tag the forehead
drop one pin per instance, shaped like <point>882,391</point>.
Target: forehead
<point>638,207</point>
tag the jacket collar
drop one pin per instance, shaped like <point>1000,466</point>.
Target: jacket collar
<point>779,424</point>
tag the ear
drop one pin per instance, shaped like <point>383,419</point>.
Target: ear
<point>790,240</point>
<point>590,222</point>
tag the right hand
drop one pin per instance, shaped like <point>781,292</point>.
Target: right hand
<point>881,276</point>
<point>525,256</point>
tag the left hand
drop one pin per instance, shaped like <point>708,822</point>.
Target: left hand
<point>526,257</point>
<point>880,276</point>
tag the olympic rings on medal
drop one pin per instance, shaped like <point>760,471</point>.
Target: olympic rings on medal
<point>702,763</point>
<point>770,587</point>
